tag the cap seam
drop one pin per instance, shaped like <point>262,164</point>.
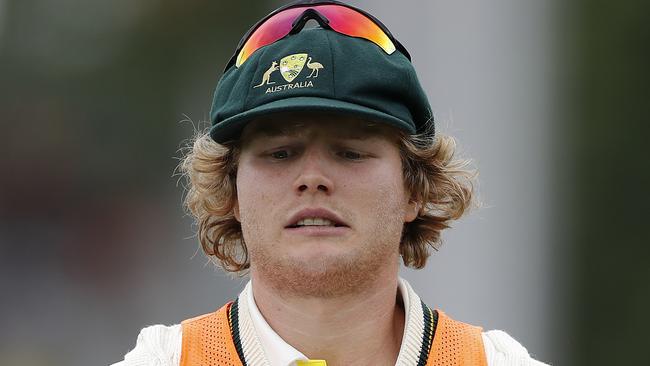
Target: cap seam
<point>413,81</point>
<point>327,98</point>
<point>250,81</point>
<point>334,94</point>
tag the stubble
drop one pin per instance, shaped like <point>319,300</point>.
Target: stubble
<point>332,275</point>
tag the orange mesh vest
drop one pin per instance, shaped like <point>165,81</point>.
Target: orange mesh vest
<point>213,340</point>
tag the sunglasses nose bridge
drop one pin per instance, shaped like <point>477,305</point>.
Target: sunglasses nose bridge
<point>302,19</point>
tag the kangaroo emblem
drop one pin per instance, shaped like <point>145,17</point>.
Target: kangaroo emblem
<point>266,78</point>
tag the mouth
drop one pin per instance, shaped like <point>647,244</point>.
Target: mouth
<point>316,218</point>
<point>315,221</point>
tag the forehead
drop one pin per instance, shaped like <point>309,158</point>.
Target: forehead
<point>316,124</point>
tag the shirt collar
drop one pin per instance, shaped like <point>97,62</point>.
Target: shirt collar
<point>277,352</point>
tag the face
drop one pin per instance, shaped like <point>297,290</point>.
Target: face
<point>322,203</point>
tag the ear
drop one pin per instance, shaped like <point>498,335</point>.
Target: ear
<point>412,210</point>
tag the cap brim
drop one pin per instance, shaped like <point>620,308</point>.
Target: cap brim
<point>230,128</point>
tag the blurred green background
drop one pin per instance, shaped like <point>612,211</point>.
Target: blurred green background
<point>97,98</point>
<point>607,89</point>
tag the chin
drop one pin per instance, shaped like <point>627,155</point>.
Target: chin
<point>320,274</point>
<point>320,251</point>
<point>324,267</point>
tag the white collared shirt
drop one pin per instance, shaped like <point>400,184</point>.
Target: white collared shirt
<point>280,353</point>
<point>161,345</point>
<point>276,350</point>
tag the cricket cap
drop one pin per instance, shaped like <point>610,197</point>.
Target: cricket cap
<point>321,71</point>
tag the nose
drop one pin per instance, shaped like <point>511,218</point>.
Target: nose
<point>312,176</point>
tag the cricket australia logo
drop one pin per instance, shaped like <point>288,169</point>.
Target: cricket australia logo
<point>290,67</point>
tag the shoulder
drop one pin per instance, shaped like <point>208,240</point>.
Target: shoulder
<point>158,345</point>
<point>503,350</point>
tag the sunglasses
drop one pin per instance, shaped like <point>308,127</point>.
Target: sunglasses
<point>334,15</point>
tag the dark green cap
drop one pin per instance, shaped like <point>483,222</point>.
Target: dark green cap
<point>320,70</point>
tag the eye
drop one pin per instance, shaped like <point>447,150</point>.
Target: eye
<point>350,155</point>
<point>280,154</point>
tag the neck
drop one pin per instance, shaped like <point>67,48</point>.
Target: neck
<point>363,328</point>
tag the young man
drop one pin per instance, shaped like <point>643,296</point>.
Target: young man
<point>321,170</point>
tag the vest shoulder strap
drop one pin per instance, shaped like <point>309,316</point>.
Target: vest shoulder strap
<point>456,344</point>
<point>208,340</point>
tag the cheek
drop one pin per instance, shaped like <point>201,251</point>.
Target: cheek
<point>247,194</point>
<point>380,190</point>
<point>257,193</point>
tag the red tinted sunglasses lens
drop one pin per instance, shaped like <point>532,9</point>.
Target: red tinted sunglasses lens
<point>352,23</point>
<point>342,19</point>
<point>270,31</point>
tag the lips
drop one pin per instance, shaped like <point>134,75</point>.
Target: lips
<point>318,216</point>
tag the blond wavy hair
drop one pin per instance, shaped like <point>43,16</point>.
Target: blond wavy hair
<point>442,185</point>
